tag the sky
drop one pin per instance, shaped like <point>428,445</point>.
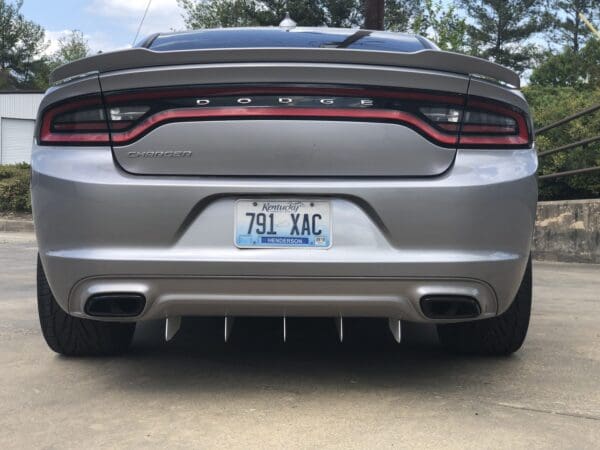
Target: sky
<point>107,24</point>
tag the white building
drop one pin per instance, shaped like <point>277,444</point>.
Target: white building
<point>17,122</point>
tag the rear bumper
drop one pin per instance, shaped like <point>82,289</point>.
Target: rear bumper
<point>284,296</point>
<point>467,231</point>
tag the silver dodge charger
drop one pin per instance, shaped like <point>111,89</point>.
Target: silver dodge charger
<point>288,172</point>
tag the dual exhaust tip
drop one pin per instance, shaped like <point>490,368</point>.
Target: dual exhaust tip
<point>132,305</point>
<point>450,307</point>
<point>115,305</point>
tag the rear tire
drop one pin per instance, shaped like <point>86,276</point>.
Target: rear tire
<point>72,336</point>
<point>498,336</point>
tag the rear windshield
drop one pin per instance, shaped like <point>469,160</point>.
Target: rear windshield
<point>257,38</point>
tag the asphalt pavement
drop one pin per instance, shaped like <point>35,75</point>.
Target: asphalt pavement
<point>311,392</point>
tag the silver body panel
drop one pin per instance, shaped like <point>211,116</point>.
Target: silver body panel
<point>97,224</point>
<point>409,218</point>
<point>285,148</point>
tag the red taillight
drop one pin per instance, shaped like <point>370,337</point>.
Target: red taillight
<point>277,102</point>
<point>440,117</point>
<point>490,124</point>
<point>482,123</point>
<point>80,121</point>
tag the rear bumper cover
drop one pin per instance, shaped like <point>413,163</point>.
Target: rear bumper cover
<point>284,296</point>
<point>467,231</point>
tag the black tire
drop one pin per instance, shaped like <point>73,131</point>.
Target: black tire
<point>72,336</point>
<point>498,336</point>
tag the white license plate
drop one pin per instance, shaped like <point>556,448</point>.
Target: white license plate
<point>283,223</point>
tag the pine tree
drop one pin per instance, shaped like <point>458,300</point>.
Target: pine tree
<point>569,28</point>
<point>499,30</point>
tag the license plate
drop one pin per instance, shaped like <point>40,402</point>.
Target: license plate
<point>283,224</point>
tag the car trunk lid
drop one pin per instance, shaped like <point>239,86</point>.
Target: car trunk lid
<point>281,119</point>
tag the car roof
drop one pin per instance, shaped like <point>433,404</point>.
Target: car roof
<point>299,37</point>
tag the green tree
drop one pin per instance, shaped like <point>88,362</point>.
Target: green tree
<point>405,16</point>
<point>305,13</point>
<point>570,68</point>
<point>71,47</point>
<point>214,14</point>
<point>342,13</point>
<point>444,26</point>
<point>549,104</point>
<point>569,29</point>
<point>500,29</point>
<point>21,44</point>
<point>233,13</point>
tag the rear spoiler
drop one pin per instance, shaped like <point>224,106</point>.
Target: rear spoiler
<point>425,59</point>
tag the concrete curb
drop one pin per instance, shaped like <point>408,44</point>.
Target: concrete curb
<point>16,226</point>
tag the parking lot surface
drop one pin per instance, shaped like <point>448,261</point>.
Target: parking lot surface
<point>257,392</point>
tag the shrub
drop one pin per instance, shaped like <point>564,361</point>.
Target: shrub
<point>14,188</point>
<point>549,104</point>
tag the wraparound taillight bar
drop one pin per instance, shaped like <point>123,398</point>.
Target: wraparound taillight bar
<point>449,120</point>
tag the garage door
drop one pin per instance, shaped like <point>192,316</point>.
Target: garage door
<point>16,140</point>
